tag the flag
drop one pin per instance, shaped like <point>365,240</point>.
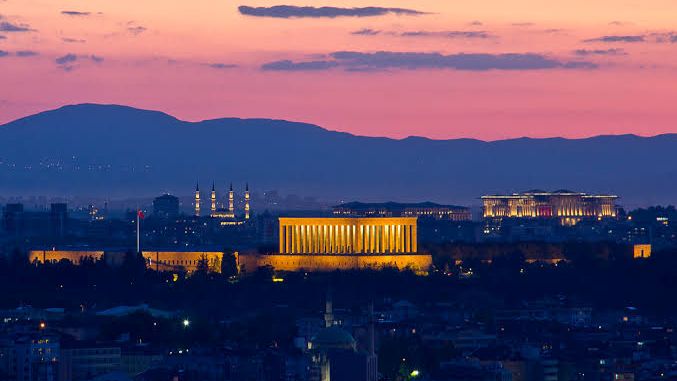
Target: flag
<point>140,214</point>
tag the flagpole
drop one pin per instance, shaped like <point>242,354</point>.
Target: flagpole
<point>138,233</point>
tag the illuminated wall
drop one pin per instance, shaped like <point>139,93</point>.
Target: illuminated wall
<point>182,260</point>
<point>54,256</point>
<point>156,260</point>
<point>348,235</point>
<point>419,263</point>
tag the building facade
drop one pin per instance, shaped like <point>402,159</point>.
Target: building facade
<point>348,235</point>
<point>166,206</point>
<point>559,204</point>
<point>394,209</point>
<point>328,244</point>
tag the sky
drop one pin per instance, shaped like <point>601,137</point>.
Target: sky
<point>486,69</point>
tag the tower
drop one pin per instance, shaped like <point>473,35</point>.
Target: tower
<point>231,201</point>
<point>213,199</point>
<point>328,311</point>
<point>246,202</point>
<point>197,200</point>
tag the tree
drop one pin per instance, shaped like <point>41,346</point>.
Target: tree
<point>229,264</point>
<point>134,264</point>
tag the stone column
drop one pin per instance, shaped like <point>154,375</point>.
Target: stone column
<point>399,238</point>
<point>391,239</point>
<point>287,238</point>
<point>302,246</point>
<point>316,239</point>
<point>360,239</point>
<point>282,248</point>
<point>332,239</point>
<point>407,239</point>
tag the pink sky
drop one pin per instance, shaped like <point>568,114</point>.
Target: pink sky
<point>156,53</point>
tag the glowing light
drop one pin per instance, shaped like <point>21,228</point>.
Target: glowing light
<point>415,373</point>
<point>278,280</point>
<point>43,325</point>
<point>186,322</point>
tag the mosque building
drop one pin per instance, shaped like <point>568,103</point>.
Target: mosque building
<point>227,216</point>
<point>334,352</point>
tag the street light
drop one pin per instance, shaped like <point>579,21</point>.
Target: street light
<point>186,323</point>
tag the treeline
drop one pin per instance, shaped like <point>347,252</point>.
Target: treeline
<point>448,253</point>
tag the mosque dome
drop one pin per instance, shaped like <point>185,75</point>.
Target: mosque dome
<point>333,338</point>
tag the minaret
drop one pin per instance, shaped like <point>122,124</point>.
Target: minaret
<point>329,311</point>
<point>372,359</point>
<point>246,202</point>
<point>372,342</point>
<point>213,198</point>
<point>231,201</point>
<point>197,200</point>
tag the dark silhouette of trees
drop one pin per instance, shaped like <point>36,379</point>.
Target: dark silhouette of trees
<point>229,264</point>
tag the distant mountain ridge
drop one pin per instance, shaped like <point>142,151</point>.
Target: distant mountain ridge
<point>118,151</point>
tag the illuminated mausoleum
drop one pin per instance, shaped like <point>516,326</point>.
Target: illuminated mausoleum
<point>348,235</point>
<point>327,244</point>
<point>561,204</point>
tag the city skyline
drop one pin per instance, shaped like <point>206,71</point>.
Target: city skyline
<point>489,70</point>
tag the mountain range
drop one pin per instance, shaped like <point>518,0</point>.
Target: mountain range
<point>118,151</point>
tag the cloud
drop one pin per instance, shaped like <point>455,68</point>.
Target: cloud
<point>449,34</point>
<point>287,65</point>
<point>291,11</point>
<point>523,24</point>
<point>67,59</point>
<point>75,13</point>
<point>600,52</point>
<point>669,37</point>
<point>422,33</point>
<point>67,62</point>
<point>2,37</point>
<point>358,61</point>
<point>657,37</point>
<point>580,65</point>
<point>3,53</point>
<point>136,30</point>
<point>366,32</point>
<point>627,38</point>
<point>6,26</point>
<point>26,53</point>
<point>620,23</point>
<point>221,66</point>
<point>73,40</point>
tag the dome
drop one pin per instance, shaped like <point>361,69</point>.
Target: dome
<point>333,338</point>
